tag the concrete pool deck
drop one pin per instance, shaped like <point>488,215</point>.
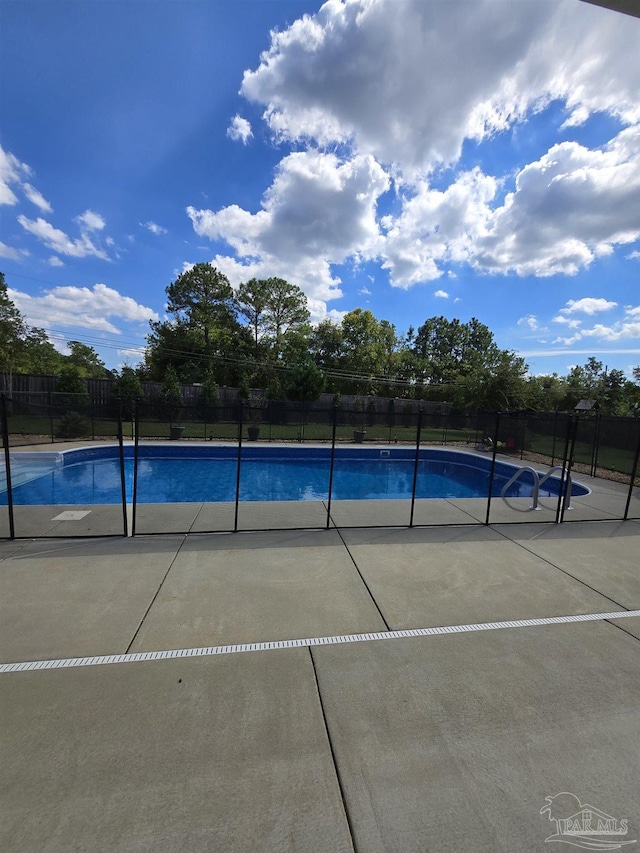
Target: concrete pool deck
<point>449,740</point>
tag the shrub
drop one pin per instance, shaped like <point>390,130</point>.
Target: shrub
<point>128,390</point>
<point>170,402</point>
<point>209,400</point>
<point>73,425</point>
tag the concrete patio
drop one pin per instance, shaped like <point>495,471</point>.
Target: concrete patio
<point>447,740</point>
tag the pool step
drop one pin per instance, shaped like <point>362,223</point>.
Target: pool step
<point>29,466</point>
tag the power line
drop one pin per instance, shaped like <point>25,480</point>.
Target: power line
<point>41,280</point>
<point>60,335</point>
<point>242,362</point>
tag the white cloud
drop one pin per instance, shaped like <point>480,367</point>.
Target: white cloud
<point>571,324</point>
<point>634,256</point>
<point>319,210</point>
<point>358,71</point>
<point>11,173</point>
<point>588,305</point>
<point>576,118</point>
<point>436,226</point>
<point>36,197</point>
<point>568,208</point>
<point>630,311</point>
<point>383,79</point>
<point>386,77</point>
<point>365,291</point>
<point>530,320</point>
<point>441,294</point>
<point>57,240</point>
<point>90,221</point>
<point>11,253</point>
<point>154,228</point>
<point>567,341</point>
<point>239,130</point>
<point>89,308</point>
<point>620,330</point>
<point>135,352</point>
<point>54,261</point>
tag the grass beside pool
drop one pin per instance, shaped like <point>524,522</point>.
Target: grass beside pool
<point>609,458</point>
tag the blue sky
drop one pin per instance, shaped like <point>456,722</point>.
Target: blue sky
<point>413,157</point>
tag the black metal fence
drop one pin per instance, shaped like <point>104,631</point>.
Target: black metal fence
<point>44,493</point>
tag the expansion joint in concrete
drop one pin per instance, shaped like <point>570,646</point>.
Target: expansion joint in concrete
<point>333,754</point>
<point>157,592</point>
<point>366,585</point>
<point>564,571</point>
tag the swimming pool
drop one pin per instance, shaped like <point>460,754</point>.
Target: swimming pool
<point>201,473</point>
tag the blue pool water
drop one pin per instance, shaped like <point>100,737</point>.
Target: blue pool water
<point>182,473</point>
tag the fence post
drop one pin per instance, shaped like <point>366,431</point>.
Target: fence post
<point>240,422</point>
<point>7,465</point>
<point>415,467</point>
<point>553,449</point>
<point>634,471</point>
<point>567,483</point>
<point>51,416</point>
<point>136,435</point>
<point>123,479</point>
<point>565,456</point>
<point>331,464</point>
<point>493,467</point>
<point>596,445</point>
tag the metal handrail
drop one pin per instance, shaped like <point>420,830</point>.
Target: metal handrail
<point>536,483</point>
<point>538,480</point>
<point>561,469</point>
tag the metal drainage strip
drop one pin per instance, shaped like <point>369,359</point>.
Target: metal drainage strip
<point>207,651</point>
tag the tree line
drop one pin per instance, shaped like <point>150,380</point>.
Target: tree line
<point>260,337</point>
<point>28,350</point>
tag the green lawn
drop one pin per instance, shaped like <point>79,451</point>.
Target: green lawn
<point>609,458</point>
<point>24,426</point>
